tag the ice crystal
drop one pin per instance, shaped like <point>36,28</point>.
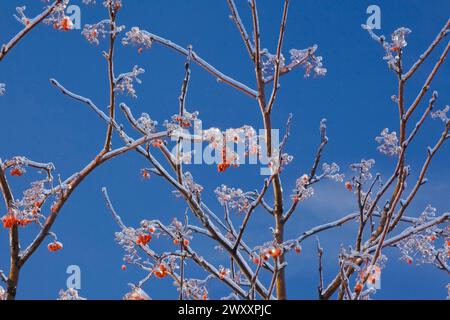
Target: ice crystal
<point>331,171</point>
<point>308,59</point>
<point>114,4</point>
<point>388,142</point>
<point>398,38</point>
<point>298,57</point>
<point>21,17</point>
<point>92,32</point>
<point>194,289</point>
<point>69,294</point>
<point>302,189</point>
<point>190,185</point>
<point>441,114</point>
<point>234,198</point>
<point>184,121</point>
<point>269,61</point>
<point>363,170</point>
<point>137,38</point>
<point>146,124</point>
<point>124,82</point>
<point>423,247</point>
<point>137,294</point>
<point>277,161</point>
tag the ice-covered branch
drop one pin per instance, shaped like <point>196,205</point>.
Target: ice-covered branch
<point>198,60</point>
<point>442,34</point>
<point>240,25</point>
<point>6,48</point>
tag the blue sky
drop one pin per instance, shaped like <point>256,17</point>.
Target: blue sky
<point>41,124</point>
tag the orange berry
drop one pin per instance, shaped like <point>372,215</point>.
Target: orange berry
<point>54,246</point>
<point>298,250</point>
<point>222,167</point>
<point>143,239</point>
<point>176,242</point>
<point>140,50</point>
<point>160,272</point>
<point>275,252</point>
<point>409,260</point>
<point>145,174</point>
<point>348,186</point>
<point>256,260</point>
<point>205,297</point>
<point>186,242</point>
<point>123,267</point>
<point>66,24</point>
<point>9,221</point>
<point>16,172</point>
<point>358,287</point>
<point>151,230</point>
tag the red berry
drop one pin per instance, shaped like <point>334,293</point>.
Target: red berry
<point>16,172</point>
<point>143,239</point>
<point>55,246</point>
<point>348,186</point>
<point>275,252</point>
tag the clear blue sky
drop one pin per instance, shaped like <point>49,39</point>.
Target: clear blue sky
<point>39,123</point>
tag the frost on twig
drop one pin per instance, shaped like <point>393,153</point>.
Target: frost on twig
<point>69,294</point>
<point>124,82</point>
<point>393,48</point>
<point>137,38</point>
<point>137,293</point>
<point>430,246</point>
<point>441,114</point>
<point>2,293</point>
<point>298,57</point>
<point>388,142</point>
<point>233,198</point>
